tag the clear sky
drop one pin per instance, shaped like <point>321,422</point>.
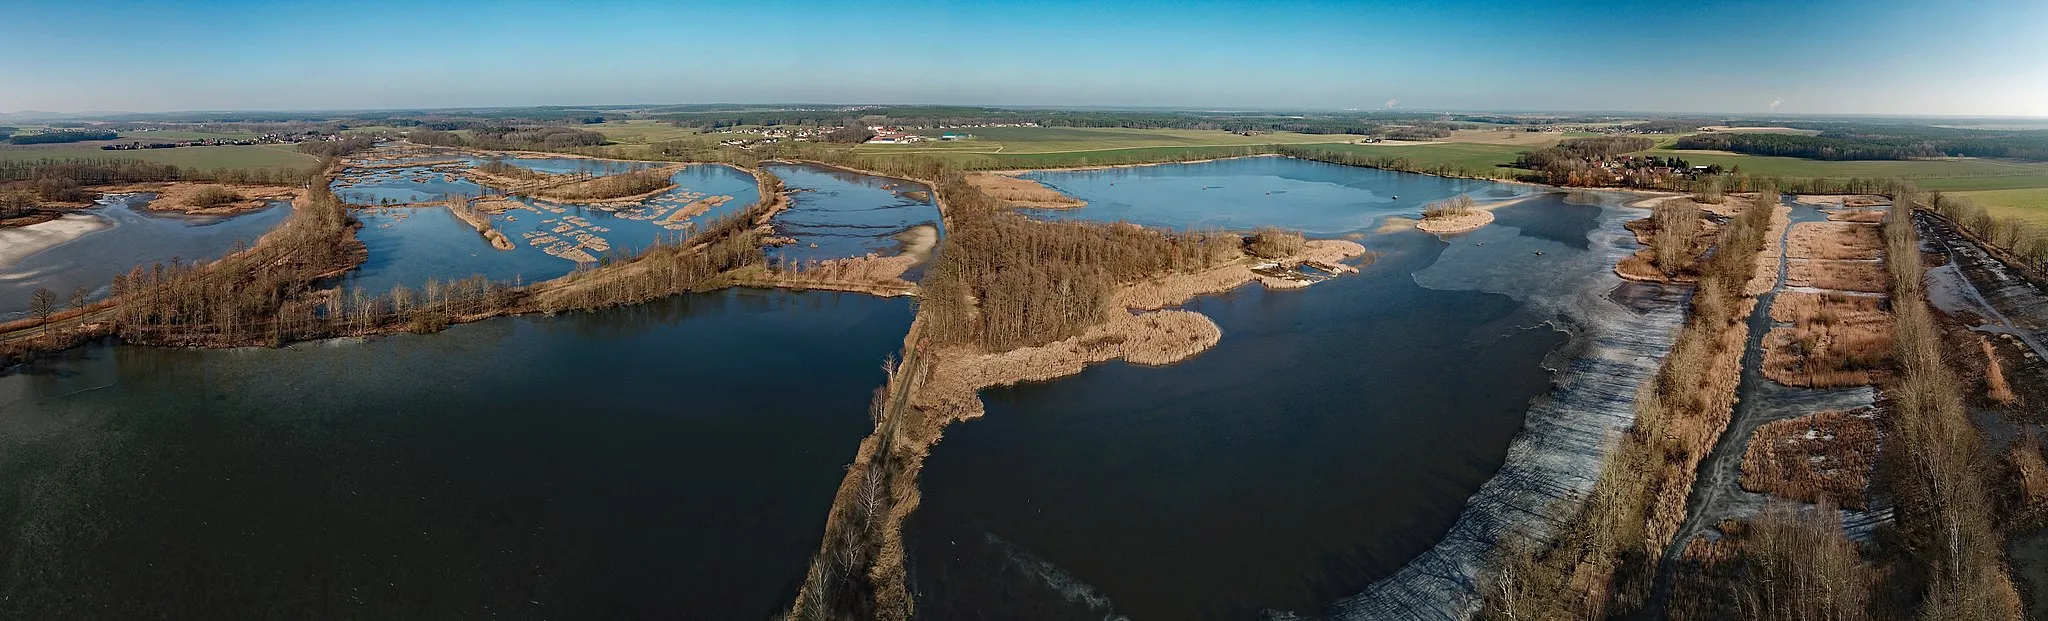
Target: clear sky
<point>1986,57</point>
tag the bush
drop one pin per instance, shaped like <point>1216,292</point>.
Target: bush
<point>212,196</point>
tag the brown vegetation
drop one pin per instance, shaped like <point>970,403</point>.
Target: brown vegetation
<point>1996,388</point>
<point>1834,240</point>
<point>1787,565</point>
<point>1675,236</point>
<point>2030,477</point>
<point>620,187</point>
<point>1601,562</point>
<point>1822,458</point>
<point>1944,510</point>
<point>478,218</point>
<point>207,198</point>
<point>1022,193</point>
<point>1835,340</point>
<point>261,296</point>
<point>1866,277</point>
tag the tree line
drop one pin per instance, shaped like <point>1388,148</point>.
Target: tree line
<point>63,136</point>
<point>1874,146</point>
<point>68,180</point>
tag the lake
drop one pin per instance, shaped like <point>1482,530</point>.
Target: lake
<point>669,460</point>
<point>1336,445</point>
<point>136,236</point>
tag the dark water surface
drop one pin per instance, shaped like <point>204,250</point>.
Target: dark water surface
<point>137,237</point>
<point>1333,435</point>
<point>673,460</point>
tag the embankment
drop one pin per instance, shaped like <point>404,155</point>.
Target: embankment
<point>1602,558</point>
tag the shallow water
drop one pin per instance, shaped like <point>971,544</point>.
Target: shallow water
<point>410,245</point>
<point>671,460</point>
<point>137,237</point>
<point>1242,193</point>
<point>416,184</point>
<point>836,214</point>
<point>412,184</point>
<point>1320,457</point>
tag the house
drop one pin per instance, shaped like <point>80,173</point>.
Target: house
<point>894,138</point>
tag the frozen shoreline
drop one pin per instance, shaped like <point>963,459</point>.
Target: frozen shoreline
<point>18,243</point>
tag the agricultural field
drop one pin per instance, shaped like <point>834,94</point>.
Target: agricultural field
<point>1952,174</point>
<point>239,156</point>
<point>647,131</point>
<point>2030,204</point>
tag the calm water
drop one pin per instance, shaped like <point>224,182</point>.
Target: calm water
<point>430,242</point>
<point>1331,436</point>
<point>427,183</point>
<point>846,214</point>
<point>1334,435</point>
<point>673,460</point>
<point>137,237</point>
<point>1243,193</point>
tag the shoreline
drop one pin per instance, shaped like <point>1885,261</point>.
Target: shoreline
<point>1019,171</point>
<point>21,242</point>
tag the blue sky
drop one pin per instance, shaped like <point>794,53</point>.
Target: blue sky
<point>1875,56</point>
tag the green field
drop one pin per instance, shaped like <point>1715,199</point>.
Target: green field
<point>1958,174</point>
<point>644,131</point>
<point>246,156</point>
<point>1475,157</point>
<point>2028,204</point>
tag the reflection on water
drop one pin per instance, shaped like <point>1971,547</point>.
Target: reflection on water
<point>137,237</point>
<point>673,460</point>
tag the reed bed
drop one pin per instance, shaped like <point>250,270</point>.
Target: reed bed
<point>1819,458</point>
<point>1602,561</point>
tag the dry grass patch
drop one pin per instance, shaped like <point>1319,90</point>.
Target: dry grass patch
<point>1866,216</point>
<point>1674,237</point>
<point>1822,458</point>
<point>619,188</point>
<point>1835,340</point>
<point>208,198</point>
<point>1996,388</point>
<point>1834,240</point>
<point>1867,277</point>
<point>1022,193</point>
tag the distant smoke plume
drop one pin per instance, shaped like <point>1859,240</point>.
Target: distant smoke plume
<point>1775,101</point>
<point>1393,103</point>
